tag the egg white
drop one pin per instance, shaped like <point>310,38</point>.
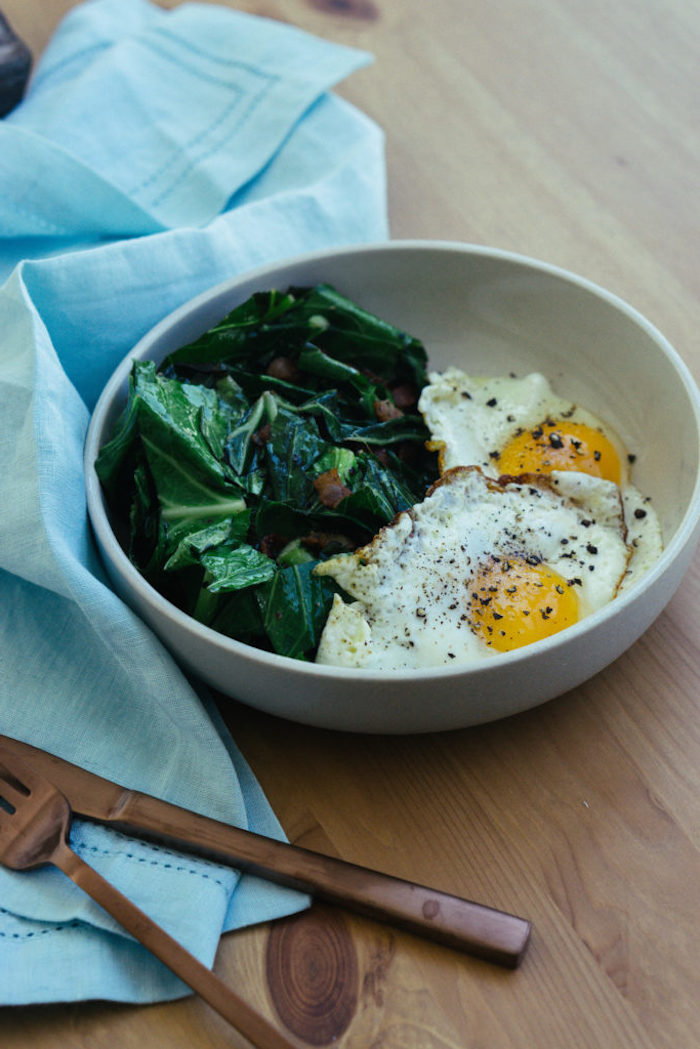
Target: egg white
<point>411,586</point>
<point>471,419</point>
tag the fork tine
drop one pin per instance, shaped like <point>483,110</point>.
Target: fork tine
<point>15,771</point>
<point>34,816</point>
<point>15,774</point>
<point>11,790</point>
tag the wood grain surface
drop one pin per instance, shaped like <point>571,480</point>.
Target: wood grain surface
<point>569,132</point>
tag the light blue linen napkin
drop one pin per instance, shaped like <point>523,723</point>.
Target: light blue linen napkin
<point>156,154</point>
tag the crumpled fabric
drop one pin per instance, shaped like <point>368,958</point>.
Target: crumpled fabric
<point>155,154</point>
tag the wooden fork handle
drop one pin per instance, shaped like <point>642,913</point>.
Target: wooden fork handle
<point>191,971</point>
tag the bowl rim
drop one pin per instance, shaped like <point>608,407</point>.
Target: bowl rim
<point>687,531</point>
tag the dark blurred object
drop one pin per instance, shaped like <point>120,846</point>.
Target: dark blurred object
<point>15,65</point>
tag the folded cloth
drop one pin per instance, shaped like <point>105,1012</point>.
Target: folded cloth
<point>155,154</point>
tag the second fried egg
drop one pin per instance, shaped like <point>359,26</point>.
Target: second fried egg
<point>511,425</point>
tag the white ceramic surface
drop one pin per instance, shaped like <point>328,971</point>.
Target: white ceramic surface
<point>490,312</point>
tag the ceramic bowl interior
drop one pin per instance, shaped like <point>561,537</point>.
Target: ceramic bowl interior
<point>490,312</point>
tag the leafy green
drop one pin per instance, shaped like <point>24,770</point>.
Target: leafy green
<point>192,547</point>
<point>286,433</point>
<point>295,605</point>
<point>233,568</point>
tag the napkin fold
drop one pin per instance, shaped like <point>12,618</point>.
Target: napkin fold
<point>155,154</point>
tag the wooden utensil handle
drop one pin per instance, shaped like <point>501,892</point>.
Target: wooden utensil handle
<point>190,970</point>
<point>470,927</point>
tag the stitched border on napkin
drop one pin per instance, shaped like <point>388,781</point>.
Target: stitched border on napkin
<point>183,108</point>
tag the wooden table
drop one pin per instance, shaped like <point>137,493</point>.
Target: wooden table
<point>567,131</point>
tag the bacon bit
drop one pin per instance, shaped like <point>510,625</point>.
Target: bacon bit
<point>372,376</point>
<point>283,368</point>
<point>408,453</point>
<point>272,545</point>
<point>405,395</point>
<point>261,436</point>
<point>385,410</point>
<point>330,488</point>
<point>316,542</point>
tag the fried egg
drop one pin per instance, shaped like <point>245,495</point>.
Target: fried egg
<point>511,426</point>
<point>481,566</point>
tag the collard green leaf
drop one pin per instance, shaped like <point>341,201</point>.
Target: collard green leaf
<point>377,496</point>
<point>234,568</point>
<point>392,431</point>
<point>271,323</point>
<point>211,467</point>
<point>117,461</point>
<point>254,384</point>
<point>144,519</point>
<point>272,517</point>
<point>233,395</point>
<point>239,442</point>
<point>176,426</point>
<point>245,334</point>
<point>357,337</point>
<point>236,615</point>
<point>295,606</point>
<point>316,362</point>
<point>190,546</point>
<point>326,408</point>
<point>292,447</point>
<point>178,435</point>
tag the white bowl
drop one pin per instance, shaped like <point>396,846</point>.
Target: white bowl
<point>490,312</point>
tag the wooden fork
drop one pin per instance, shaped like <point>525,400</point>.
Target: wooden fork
<point>34,824</point>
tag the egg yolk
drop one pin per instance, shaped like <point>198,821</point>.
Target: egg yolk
<point>515,602</point>
<point>561,445</point>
